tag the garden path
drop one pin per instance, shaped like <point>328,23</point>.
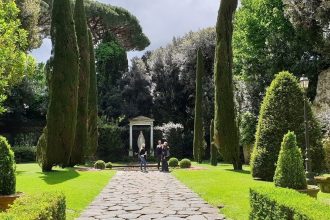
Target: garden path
<point>152,195</point>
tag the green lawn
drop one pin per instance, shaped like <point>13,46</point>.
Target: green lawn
<point>222,186</point>
<point>79,187</point>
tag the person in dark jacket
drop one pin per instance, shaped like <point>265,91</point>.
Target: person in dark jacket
<point>165,154</point>
<point>143,158</point>
<point>159,150</point>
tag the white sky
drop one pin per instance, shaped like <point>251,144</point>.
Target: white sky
<point>161,20</point>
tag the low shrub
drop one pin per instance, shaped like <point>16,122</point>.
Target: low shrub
<point>185,163</point>
<point>173,162</point>
<point>47,205</point>
<point>282,203</point>
<point>290,171</point>
<point>100,164</point>
<point>25,154</point>
<point>108,165</point>
<point>7,168</point>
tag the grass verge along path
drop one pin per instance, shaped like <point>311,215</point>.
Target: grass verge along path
<point>221,185</point>
<point>79,187</point>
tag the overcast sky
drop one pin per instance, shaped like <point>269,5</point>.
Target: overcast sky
<point>160,20</point>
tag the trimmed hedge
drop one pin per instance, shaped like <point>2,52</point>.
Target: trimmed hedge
<point>173,162</point>
<point>100,164</point>
<point>108,165</point>
<point>7,168</point>
<point>282,204</point>
<point>25,154</point>
<point>42,206</point>
<point>185,163</point>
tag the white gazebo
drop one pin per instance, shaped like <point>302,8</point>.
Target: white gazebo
<point>141,120</point>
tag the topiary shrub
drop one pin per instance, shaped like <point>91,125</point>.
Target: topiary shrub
<point>290,171</point>
<point>326,146</point>
<point>185,163</point>
<point>173,162</point>
<point>108,165</point>
<point>100,164</point>
<point>282,110</point>
<point>7,168</point>
<point>247,130</point>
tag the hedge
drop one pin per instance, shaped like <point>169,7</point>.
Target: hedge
<point>281,204</point>
<point>25,154</point>
<point>41,206</point>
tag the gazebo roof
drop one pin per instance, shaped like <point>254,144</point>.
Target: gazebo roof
<point>141,119</point>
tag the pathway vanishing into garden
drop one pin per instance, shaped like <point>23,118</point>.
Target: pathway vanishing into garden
<point>153,195</point>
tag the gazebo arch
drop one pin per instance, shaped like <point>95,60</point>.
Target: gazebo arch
<point>141,120</point>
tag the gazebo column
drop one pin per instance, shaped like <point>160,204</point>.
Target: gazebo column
<point>130,153</point>
<point>152,140</point>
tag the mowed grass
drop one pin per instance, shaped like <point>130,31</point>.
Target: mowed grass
<point>222,186</point>
<point>79,187</point>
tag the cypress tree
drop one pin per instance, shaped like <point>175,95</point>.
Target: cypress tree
<point>282,110</point>
<point>198,123</point>
<point>62,108</point>
<point>80,145</point>
<point>213,148</point>
<point>225,128</point>
<point>92,103</point>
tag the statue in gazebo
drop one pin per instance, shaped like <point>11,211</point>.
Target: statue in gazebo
<point>141,140</point>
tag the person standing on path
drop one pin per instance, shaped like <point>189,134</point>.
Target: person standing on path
<point>143,158</point>
<point>159,150</point>
<point>165,154</point>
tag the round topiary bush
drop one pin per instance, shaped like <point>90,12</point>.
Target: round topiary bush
<point>100,164</point>
<point>282,110</point>
<point>185,163</point>
<point>7,168</point>
<point>173,162</point>
<point>108,165</point>
<point>290,171</point>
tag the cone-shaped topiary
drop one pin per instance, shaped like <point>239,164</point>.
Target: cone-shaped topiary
<point>62,108</point>
<point>7,168</point>
<point>80,144</point>
<point>198,123</point>
<point>282,110</point>
<point>92,103</point>
<point>213,148</point>
<point>225,127</point>
<point>290,171</point>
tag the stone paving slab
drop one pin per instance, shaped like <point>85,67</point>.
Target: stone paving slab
<point>148,196</point>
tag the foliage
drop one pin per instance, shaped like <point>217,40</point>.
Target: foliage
<point>225,127</point>
<point>173,162</point>
<point>71,182</point>
<point>62,109</point>
<point>185,163</point>
<point>7,168</point>
<point>45,205</point>
<point>290,172</point>
<point>198,122</point>
<point>100,164</point>
<point>213,148</point>
<point>247,128</point>
<point>282,110</point>
<point>92,141</point>
<point>259,54</point>
<point>111,64</point>
<point>14,62</point>
<point>279,203</point>
<point>108,165</point>
<point>136,91</point>
<point>24,154</point>
<point>79,148</point>
<point>111,146</point>
<point>326,147</point>
<point>173,134</point>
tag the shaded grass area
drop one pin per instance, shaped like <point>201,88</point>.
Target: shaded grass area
<point>79,187</point>
<point>222,186</point>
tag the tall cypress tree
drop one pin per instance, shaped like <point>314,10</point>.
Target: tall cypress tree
<point>213,148</point>
<point>62,108</point>
<point>80,145</point>
<point>92,103</point>
<point>225,127</point>
<point>198,125</point>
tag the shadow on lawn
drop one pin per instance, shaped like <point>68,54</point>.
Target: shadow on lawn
<point>59,176</point>
<point>239,171</point>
